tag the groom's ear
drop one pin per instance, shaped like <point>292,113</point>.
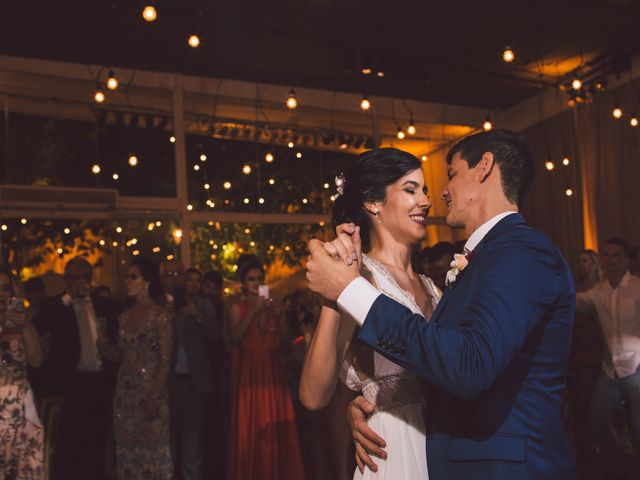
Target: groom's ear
<point>485,166</point>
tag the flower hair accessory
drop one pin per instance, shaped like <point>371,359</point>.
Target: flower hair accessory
<point>340,181</point>
<point>458,264</point>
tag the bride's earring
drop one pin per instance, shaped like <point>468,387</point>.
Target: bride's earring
<point>376,212</point>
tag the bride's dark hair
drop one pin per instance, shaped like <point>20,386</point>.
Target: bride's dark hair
<point>366,180</point>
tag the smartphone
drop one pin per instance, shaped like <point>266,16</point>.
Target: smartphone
<point>263,291</point>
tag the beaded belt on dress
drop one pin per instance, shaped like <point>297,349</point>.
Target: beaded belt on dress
<point>393,391</point>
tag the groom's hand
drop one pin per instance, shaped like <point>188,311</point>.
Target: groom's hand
<point>347,246</point>
<point>326,276</point>
<point>366,441</point>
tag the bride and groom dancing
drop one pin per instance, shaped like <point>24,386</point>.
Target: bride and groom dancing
<point>474,375</point>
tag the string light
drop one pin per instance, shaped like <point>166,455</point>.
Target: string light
<point>246,201</point>
<point>272,181</point>
<point>617,112</point>
<point>114,244</point>
<point>99,96</point>
<point>67,230</point>
<point>119,229</point>
<point>305,201</point>
<point>59,251</point>
<point>95,169</point>
<point>290,144</point>
<point>102,243</point>
<point>177,233</point>
<point>549,165</point>
<point>246,169</point>
<point>23,221</point>
<point>487,125</point>
<point>194,41</point>
<point>568,192</point>
<point>156,249</point>
<point>299,155</point>
<point>576,84</point>
<point>365,103</point>
<point>508,55</point>
<point>226,185</point>
<point>133,160</point>
<point>633,121</point>
<point>196,167</point>
<point>112,81</point>
<point>424,158</point>
<point>172,139</point>
<point>203,158</point>
<point>4,228</point>
<point>115,176</point>
<point>326,185</point>
<point>151,226</point>
<point>411,130</point>
<point>170,257</point>
<point>158,223</point>
<point>247,231</point>
<point>400,133</point>
<point>149,13</point>
<point>268,157</point>
<point>189,207</point>
<point>261,200</point>
<point>292,101</point>
<point>565,161</point>
<point>207,186</point>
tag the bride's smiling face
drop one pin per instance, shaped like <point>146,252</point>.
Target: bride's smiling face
<point>405,208</point>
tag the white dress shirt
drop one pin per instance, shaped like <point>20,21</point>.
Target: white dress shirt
<point>358,297</point>
<point>89,360</point>
<point>618,311</point>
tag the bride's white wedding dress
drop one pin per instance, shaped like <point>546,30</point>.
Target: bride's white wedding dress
<point>397,394</point>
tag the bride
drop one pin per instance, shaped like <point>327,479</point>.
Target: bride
<point>383,197</point>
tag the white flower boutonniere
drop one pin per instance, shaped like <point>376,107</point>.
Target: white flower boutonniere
<point>458,264</point>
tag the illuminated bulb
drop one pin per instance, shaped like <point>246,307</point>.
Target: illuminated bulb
<point>189,207</point>
<point>333,198</point>
<point>246,201</point>
<point>508,55</point>
<point>246,169</point>
<point>59,251</point>
<point>326,185</point>
<point>616,112</point>
<point>287,248</point>
<point>119,229</point>
<point>633,121</point>
<point>194,41</point>
<point>487,125</point>
<point>115,244</point>
<point>268,157</point>
<point>261,200</point>
<point>95,169</point>
<point>196,167</point>
<point>247,231</point>
<point>366,71</point>
<point>226,185</point>
<point>549,165</point>
<point>298,155</point>
<point>400,133</point>
<point>203,158</point>
<point>156,249</point>
<point>158,223</point>
<point>115,176</point>
<point>99,96</point>
<point>292,101</point>
<point>380,73</point>
<point>149,13</point>
<point>272,248</point>
<point>177,233</point>
<point>136,252</point>
<point>4,228</point>
<point>151,226</point>
<point>23,221</point>
<point>272,181</point>
<point>253,244</point>
<point>365,104</point>
<point>67,230</point>
<point>133,160</point>
<point>565,161</point>
<point>568,192</point>
<point>102,243</point>
<point>576,84</point>
<point>290,144</point>
<point>305,201</point>
<point>207,186</point>
<point>112,81</point>
<point>172,139</point>
<point>424,158</point>
<point>170,257</point>
<point>411,130</point>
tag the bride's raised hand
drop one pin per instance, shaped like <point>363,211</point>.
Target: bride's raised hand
<point>347,245</point>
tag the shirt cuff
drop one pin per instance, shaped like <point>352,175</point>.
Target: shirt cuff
<point>357,299</point>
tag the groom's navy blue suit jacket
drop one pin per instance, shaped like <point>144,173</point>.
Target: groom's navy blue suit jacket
<point>495,353</point>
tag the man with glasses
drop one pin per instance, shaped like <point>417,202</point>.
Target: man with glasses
<point>77,372</point>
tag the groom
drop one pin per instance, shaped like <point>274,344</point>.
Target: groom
<point>495,349</point>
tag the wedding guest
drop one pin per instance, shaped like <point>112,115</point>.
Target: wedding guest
<point>141,403</point>
<point>21,433</point>
<point>615,301</point>
<point>192,378</point>
<point>75,370</point>
<point>264,438</point>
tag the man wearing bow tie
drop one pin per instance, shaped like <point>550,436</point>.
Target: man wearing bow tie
<point>495,350</point>
<point>76,372</point>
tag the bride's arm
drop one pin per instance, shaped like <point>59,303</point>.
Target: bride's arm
<point>324,358</point>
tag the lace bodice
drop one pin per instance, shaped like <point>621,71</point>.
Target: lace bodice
<point>391,385</point>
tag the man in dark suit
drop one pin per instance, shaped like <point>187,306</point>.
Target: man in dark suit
<point>495,350</point>
<point>75,371</point>
<point>191,381</point>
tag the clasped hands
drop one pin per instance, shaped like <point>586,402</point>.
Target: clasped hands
<point>329,277</point>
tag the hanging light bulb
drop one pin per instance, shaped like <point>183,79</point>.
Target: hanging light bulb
<point>99,96</point>
<point>149,13</point>
<point>292,101</point>
<point>400,133</point>
<point>269,157</point>
<point>487,125</point>
<point>365,103</point>
<point>246,169</point>
<point>508,55</point>
<point>133,160</point>
<point>549,165</point>
<point>633,121</point>
<point>115,176</point>
<point>226,185</point>
<point>617,112</point>
<point>112,81</point>
<point>565,161</point>
<point>576,83</point>
<point>568,192</point>
<point>411,130</point>
<point>194,41</point>
<point>95,169</point>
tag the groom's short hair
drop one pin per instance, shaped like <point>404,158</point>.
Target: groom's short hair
<point>510,151</point>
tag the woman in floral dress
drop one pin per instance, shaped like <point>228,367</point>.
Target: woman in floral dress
<point>141,405</point>
<point>21,433</point>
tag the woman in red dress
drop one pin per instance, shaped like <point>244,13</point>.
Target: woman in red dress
<point>264,439</point>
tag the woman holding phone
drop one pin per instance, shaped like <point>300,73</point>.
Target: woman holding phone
<point>21,434</point>
<point>264,439</point>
